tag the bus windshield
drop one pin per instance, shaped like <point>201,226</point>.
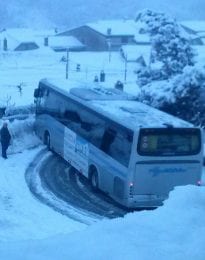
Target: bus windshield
<point>169,142</point>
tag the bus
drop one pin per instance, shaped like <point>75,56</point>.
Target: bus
<point>134,153</point>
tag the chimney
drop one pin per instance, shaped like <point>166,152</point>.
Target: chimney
<point>109,30</point>
<point>46,41</point>
<point>5,45</point>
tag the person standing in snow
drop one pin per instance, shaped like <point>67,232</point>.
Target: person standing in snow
<point>5,139</point>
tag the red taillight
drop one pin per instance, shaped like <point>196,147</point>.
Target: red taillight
<point>199,183</point>
<point>131,189</point>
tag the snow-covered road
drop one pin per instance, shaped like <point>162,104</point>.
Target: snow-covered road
<point>49,179</point>
<point>21,215</point>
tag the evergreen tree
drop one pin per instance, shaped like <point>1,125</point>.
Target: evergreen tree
<point>183,96</point>
<point>168,44</point>
<point>189,96</point>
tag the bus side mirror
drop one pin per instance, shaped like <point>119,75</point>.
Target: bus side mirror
<point>36,93</point>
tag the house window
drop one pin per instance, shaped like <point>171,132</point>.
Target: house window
<point>124,40</point>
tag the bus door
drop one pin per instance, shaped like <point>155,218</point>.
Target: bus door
<point>167,158</point>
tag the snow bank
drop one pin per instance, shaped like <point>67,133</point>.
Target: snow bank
<point>174,231</point>
<point>22,135</point>
<point>22,216</point>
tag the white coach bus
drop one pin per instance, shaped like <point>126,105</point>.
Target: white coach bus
<point>134,153</point>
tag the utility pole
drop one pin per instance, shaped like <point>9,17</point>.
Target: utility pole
<point>125,72</point>
<point>109,49</point>
<point>67,63</point>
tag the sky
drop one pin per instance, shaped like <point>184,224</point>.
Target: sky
<point>71,13</point>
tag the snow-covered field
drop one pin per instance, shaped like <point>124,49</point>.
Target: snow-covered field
<point>31,230</point>
<point>27,68</point>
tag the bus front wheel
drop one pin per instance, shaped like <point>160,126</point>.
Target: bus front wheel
<point>94,180</point>
<point>47,140</point>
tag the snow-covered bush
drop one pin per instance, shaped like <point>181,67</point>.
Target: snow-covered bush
<point>169,46</point>
<point>189,95</point>
<point>22,134</point>
<point>183,96</point>
<point>19,110</point>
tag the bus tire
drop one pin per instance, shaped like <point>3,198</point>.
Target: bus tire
<point>72,174</point>
<point>94,180</point>
<point>47,140</point>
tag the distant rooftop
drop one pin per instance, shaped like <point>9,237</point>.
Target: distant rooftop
<point>197,26</point>
<point>64,41</point>
<point>114,27</point>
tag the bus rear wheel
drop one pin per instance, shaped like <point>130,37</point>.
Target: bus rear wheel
<point>94,180</point>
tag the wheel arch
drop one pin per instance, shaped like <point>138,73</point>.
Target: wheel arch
<point>47,139</point>
<point>92,168</point>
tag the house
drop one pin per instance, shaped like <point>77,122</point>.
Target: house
<point>196,30</point>
<point>18,40</point>
<point>63,43</point>
<point>104,35</point>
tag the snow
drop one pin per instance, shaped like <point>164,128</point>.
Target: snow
<point>197,26</point>
<point>32,230</point>
<point>135,114</point>
<point>118,27</point>
<point>27,68</point>
<point>64,42</point>
<point>133,52</point>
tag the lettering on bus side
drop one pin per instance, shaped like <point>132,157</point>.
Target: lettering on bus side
<point>76,151</point>
<point>155,171</point>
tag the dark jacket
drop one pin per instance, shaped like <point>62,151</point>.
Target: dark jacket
<point>5,136</point>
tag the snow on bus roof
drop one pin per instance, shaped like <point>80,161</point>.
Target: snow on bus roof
<point>88,90</point>
<point>116,104</point>
<point>134,114</point>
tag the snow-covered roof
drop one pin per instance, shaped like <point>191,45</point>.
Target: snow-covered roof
<point>64,41</point>
<point>21,34</point>
<point>115,27</point>
<point>200,54</point>
<point>87,90</point>
<point>133,52</point>
<point>12,43</point>
<point>197,26</point>
<point>16,36</point>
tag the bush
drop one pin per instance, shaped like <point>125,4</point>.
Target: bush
<point>183,96</point>
<point>168,46</point>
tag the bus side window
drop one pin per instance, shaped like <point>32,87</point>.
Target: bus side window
<point>72,116</point>
<point>107,140</point>
<point>120,148</point>
<point>86,126</point>
<point>47,92</point>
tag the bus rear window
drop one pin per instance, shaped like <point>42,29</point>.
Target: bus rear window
<point>169,142</point>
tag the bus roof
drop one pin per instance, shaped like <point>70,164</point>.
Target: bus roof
<point>87,90</point>
<point>116,105</point>
<point>134,114</point>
